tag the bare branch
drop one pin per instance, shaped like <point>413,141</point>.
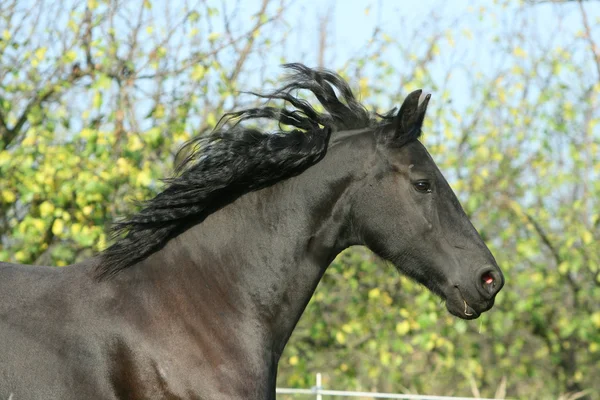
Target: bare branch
<point>590,39</point>
<point>323,25</point>
<point>250,41</point>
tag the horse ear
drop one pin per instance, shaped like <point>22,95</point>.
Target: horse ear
<point>410,118</point>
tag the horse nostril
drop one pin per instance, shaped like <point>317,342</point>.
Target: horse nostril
<point>490,282</point>
<point>487,279</point>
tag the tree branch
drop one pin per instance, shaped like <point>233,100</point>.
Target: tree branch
<point>8,135</point>
<point>558,259</point>
<point>249,43</point>
<point>590,39</point>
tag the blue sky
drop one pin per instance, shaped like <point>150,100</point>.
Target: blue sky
<point>350,28</point>
<point>482,37</point>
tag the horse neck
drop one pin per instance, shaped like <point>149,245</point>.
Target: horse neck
<point>259,259</point>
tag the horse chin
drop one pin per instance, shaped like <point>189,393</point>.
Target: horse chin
<point>458,306</point>
<point>462,312</point>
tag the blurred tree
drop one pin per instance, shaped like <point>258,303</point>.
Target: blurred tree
<point>94,97</point>
<point>524,157</point>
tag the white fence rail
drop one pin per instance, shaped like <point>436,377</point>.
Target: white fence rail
<point>318,392</point>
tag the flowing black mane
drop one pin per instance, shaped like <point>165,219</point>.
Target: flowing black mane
<point>233,160</point>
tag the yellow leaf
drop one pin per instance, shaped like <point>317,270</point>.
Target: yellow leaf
<point>374,293</point>
<point>563,267</point>
<point>46,209</point>
<point>596,319</point>
<point>123,166</point>
<point>387,299</point>
<point>40,53</point>
<point>135,143</point>
<point>340,337</point>
<point>70,56</point>
<point>101,244</point>
<point>385,358</point>
<point>198,72</point>
<point>97,100</point>
<point>294,360</point>
<point>38,224</point>
<point>20,256</point>
<point>58,226</point>
<point>143,178</point>
<point>159,112</point>
<point>4,157</point>
<point>419,74</point>
<point>8,196</point>
<point>402,327</point>
<point>87,133</point>
<point>450,40</point>
<point>519,52</point>
<point>75,229</point>
<point>211,120</point>
<point>587,237</point>
<point>72,25</point>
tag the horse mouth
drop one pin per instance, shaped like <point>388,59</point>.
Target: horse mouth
<point>469,311</point>
<point>457,305</point>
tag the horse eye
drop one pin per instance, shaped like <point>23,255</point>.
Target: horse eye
<point>422,186</point>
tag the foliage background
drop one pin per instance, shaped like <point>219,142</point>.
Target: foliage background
<point>97,96</point>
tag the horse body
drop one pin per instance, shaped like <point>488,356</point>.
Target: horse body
<point>72,338</point>
<point>45,340</point>
<point>207,312</point>
<point>210,304</point>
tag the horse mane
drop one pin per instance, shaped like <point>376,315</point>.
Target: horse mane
<point>233,160</point>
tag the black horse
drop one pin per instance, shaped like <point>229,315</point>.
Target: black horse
<point>199,296</point>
